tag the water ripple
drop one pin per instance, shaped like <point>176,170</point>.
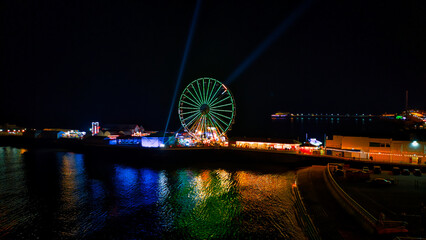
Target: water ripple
<point>61,195</point>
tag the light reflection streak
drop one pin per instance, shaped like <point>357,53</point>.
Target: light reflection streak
<point>148,186</point>
<point>166,215</point>
<point>72,194</point>
<point>78,195</point>
<point>125,191</point>
<point>14,199</point>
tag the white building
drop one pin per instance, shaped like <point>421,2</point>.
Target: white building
<point>377,149</point>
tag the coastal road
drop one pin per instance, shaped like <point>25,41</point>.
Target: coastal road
<point>331,220</point>
<point>399,202</point>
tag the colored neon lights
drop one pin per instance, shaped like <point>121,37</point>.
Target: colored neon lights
<point>206,109</point>
<point>95,128</point>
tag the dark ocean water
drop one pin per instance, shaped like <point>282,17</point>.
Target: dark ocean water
<point>63,195</point>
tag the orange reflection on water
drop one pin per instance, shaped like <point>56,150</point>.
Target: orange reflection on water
<point>259,186</point>
<point>69,212</point>
<point>265,202</point>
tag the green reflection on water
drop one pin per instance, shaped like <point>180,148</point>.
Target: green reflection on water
<point>212,204</point>
<point>208,203</point>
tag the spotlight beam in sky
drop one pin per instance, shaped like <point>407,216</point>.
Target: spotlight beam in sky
<point>268,41</point>
<point>183,63</point>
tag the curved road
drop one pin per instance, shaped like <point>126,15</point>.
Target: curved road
<point>331,219</point>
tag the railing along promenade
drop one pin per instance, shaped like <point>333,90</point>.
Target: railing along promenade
<point>368,221</point>
<point>303,217</point>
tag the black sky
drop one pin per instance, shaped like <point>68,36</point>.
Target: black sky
<point>67,63</point>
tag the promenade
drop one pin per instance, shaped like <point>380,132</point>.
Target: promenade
<point>327,215</point>
<point>401,201</point>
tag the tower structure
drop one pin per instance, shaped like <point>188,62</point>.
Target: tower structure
<point>95,128</point>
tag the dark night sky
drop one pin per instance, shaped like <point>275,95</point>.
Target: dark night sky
<point>67,63</point>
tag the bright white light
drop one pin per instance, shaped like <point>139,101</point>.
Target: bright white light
<point>415,144</point>
<point>162,145</point>
<point>315,142</point>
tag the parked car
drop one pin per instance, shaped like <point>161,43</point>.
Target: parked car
<point>396,171</point>
<point>357,175</point>
<point>405,172</point>
<point>365,169</point>
<point>377,170</point>
<point>380,182</point>
<point>417,172</point>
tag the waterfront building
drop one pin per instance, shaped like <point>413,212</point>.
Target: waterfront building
<point>126,140</point>
<point>56,133</point>
<point>307,148</point>
<point>158,140</point>
<point>50,134</point>
<point>267,144</point>
<point>114,130</point>
<point>377,149</point>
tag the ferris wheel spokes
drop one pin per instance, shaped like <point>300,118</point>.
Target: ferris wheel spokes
<point>213,95</point>
<point>217,124</point>
<point>206,109</point>
<point>192,100</point>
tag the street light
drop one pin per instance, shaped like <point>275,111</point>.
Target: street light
<point>415,144</point>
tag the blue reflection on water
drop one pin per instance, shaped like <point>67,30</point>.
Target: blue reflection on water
<point>149,186</point>
<point>135,203</point>
<point>125,190</point>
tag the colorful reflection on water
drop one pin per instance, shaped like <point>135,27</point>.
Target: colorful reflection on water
<point>60,195</point>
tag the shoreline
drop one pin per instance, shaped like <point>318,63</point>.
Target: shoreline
<point>293,159</point>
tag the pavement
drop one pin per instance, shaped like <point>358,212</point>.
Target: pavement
<point>331,220</point>
<point>400,201</point>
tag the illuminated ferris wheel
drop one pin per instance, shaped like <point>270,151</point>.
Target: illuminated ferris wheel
<point>206,109</point>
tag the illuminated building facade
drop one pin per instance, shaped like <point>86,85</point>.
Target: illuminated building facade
<point>307,148</point>
<point>377,149</point>
<point>158,140</point>
<point>266,144</point>
<point>115,130</point>
<point>56,133</point>
<point>95,128</point>
<point>125,141</point>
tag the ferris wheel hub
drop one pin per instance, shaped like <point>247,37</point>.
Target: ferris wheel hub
<point>204,109</point>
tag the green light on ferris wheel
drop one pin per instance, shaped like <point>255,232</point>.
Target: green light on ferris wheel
<point>206,108</point>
